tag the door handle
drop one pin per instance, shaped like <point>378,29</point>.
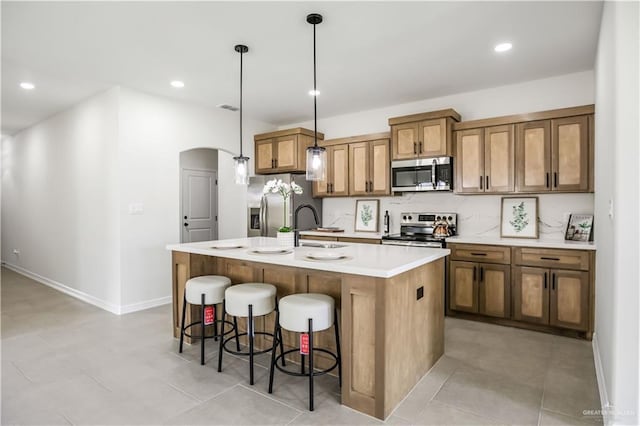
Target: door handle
<point>186,224</point>
<point>415,148</point>
<point>486,178</point>
<point>549,258</point>
<point>478,254</point>
<point>272,166</point>
<point>185,218</point>
<point>553,282</point>
<point>555,179</point>
<point>547,181</point>
<point>545,280</point>
<point>276,161</point>
<point>263,216</point>
<point>481,273</point>
<point>419,146</point>
<point>481,182</point>
<point>474,273</point>
<point>434,168</point>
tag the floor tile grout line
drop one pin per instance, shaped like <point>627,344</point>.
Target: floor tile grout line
<point>67,418</point>
<point>22,372</point>
<point>270,397</point>
<point>187,394</point>
<point>95,379</point>
<point>294,419</point>
<point>541,402</point>
<point>468,411</point>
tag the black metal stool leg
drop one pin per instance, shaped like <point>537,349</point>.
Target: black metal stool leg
<point>276,330</point>
<point>310,364</point>
<point>250,332</point>
<point>202,332</point>
<point>281,345</point>
<point>221,339</point>
<point>215,323</point>
<point>235,326</point>
<point>184,311</point>
<point>335,326</point>
<point>279,330</point>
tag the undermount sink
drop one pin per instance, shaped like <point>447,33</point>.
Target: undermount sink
<point>322,245</point>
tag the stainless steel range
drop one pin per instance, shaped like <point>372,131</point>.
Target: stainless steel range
<point>423,229</point>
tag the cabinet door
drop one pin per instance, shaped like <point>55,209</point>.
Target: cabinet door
<point>404,141</point>
<point>498,158</point>
<point>533,156</point>
<point>433,140</point>
<point>569,304</point>
<point>570,153</point>
<point>339,170</point>
<point>321,187</point>
<point>286,153</point>
<point>531,294</point>
<point>359,168</point>
<point>379,168</point>
<point>494,290</point>
<point>265,160</point>
<point>463,290</point>
<point>469,161</point>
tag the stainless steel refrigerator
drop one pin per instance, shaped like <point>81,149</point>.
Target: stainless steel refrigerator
<point>266,212</point>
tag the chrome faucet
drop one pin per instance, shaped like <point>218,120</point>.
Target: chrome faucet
<point>296,231</point>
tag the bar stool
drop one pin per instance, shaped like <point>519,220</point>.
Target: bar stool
<point>206,290</point>
<point>247,300</point>
<point>306,313</point>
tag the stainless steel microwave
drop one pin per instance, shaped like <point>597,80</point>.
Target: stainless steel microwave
<point>426,174</point>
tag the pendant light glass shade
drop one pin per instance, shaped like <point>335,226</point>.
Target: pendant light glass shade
<point>242,170</point>
<point>316,155</point>
<point>241,162</point>
<point>316,163</point>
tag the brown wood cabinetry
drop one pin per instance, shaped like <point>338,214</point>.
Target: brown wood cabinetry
<point>336,183</point>
<point>342,239</point>
<point>282,151</point>
<point>547,151</point>
<point>540,288</point>
<point>480,287</point>
<point>422,135</point>
<point>484,160</point>
<point>357,165</point>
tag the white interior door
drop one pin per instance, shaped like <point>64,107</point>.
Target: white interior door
<point>199,216</point>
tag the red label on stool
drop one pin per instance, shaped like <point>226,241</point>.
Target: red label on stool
<point>209,314</point>
<point>304,344</point>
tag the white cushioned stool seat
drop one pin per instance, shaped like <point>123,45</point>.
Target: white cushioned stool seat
<point>212,286</point>
<point>261,296</point>
<point>296,309</point>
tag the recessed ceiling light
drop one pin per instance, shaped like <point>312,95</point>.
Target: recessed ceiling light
<point>314,92</point>
<point>503,47</point>
<point>27,86</point>
<point>177,84</point>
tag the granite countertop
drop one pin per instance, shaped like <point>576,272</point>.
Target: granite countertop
<point>523,242</point>
<point>374,260</point>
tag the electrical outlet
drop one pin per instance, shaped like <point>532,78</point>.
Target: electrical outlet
<point>16,252</point>
<point>136,208</point>
<point>610,209</point>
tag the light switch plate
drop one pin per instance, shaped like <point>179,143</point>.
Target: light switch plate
<point>136,208</point>
<point>610,209</point>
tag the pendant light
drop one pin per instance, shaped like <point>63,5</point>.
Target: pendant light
<point>316,155</point>
<point>241,162</point>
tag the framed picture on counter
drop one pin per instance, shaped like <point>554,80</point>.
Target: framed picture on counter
<point>367,215</point>
<point>579,227</point>
<point>519,217</point>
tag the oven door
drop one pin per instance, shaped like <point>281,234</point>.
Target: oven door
<point>429,174</point>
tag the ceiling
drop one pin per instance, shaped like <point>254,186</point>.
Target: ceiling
<point>370,54</point>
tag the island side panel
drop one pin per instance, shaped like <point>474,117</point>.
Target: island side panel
<point>414,340</point>
<point>359,311</point>
<point>180,273</point>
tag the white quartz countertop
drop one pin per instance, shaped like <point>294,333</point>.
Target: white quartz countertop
<point>521,242</point>
<point>370,235</point>
<point>374,260</point>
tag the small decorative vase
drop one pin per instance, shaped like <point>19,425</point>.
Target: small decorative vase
<point>285,239</point>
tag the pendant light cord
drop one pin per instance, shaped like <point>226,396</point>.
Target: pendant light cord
<point>315,93</point>
<point>241,53</point>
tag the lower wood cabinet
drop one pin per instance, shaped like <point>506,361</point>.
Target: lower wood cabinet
<point>544,289</point>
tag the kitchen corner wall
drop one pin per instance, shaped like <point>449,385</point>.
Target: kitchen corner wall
<point>477,214</point>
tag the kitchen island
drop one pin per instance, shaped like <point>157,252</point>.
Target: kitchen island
<point>390,300</point>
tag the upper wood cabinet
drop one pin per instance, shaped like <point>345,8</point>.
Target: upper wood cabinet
<point>422,135</point>
<point>283,151</point>
<point>369,168</point>
<point>552,152</point>
<point>336,183</point>
<point>484,160</point>
<point>357,165</point>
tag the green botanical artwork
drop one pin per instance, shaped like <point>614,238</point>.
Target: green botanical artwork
<point>585,226</point>
<point>366,215</point>
<point>520,219</point>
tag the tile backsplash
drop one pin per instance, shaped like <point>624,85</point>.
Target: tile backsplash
<point>478,215</point>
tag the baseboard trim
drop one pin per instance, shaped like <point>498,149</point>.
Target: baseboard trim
<point>147,304</point>
<point>102,304</point>
<point>602,384</point>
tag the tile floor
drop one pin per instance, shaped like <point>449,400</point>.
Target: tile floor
<point>67,362</point>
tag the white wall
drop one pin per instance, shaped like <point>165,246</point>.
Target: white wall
<point>60,200</point>
<point>152,133</point>
<point>617,163</point>
<point>478,215</point>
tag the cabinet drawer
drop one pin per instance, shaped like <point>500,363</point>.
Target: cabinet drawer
<point>550,258</point>
<point>480,253</point>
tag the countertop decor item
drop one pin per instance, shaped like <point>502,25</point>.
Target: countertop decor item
<point>316,155</point>
<point>579,227</point>
<point>519,217</point>
<point>277,186</point>
<point>367,215</point>
<point>241,162</point>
